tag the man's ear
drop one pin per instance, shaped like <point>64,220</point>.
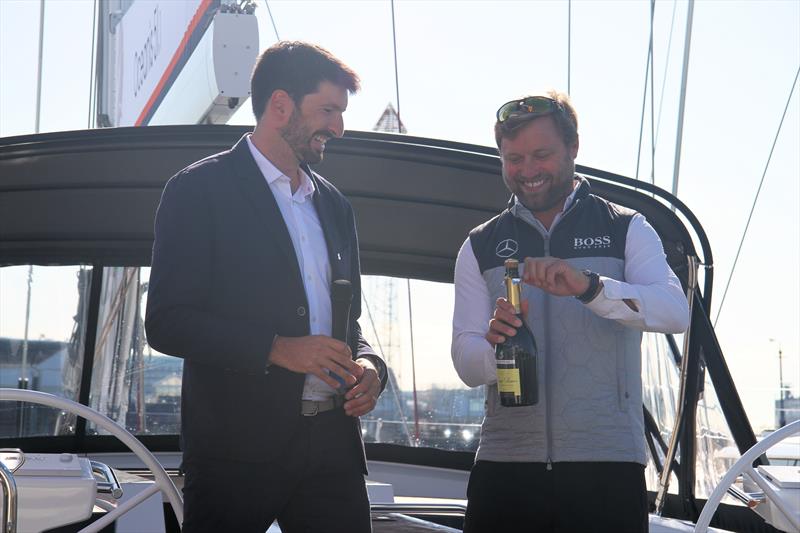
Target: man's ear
<point>280,107</point>
<point>574,148</point>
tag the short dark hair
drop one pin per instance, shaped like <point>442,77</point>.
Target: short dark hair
<point>297,68</point>
<point>564,118</point>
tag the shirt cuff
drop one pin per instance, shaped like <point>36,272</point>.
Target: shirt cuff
<point>377,362</point>
<point>610,301</point>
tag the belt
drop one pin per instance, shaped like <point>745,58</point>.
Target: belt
<point>313,408</point>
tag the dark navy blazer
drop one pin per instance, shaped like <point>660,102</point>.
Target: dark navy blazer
<point>224,281</point>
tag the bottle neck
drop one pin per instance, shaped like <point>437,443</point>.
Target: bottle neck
<point>513,293</point>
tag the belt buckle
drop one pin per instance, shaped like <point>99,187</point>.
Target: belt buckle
<point>314,412</point>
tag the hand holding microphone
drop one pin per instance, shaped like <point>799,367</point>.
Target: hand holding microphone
<point>341,298</point>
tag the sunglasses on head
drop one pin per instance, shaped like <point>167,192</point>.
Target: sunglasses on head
<point>533,106</point>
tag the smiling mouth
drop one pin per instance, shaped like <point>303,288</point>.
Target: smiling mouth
<point>532,185</point>
<point>320,139</point>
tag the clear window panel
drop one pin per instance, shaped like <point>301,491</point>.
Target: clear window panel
<point>409,323</point>
<point>716,449</point>
<point>134,385</point>
<point>660,389</point>
<point>42,331</point>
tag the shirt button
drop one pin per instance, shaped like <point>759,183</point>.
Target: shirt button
<point>301,311</point>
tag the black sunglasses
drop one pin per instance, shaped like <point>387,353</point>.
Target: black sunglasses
<point>531,107</point>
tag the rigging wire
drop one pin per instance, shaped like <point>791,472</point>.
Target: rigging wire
<point>413,364</point>
<point>23,380</point>
<point>666,66</point>
<point>396,76</point>
<point>39,68</point>
<point>687,45</point>
<point>392,381</point>
<point>755,200</point>
<point>569,45</point>
<point>644,93</point>
<point>272,20</point>
<point>652,96</point>
<point>92,75</point>
<point>408,281</point>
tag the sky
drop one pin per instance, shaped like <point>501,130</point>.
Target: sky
<point>457,61</point>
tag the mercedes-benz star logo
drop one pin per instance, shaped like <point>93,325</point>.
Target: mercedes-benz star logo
<point>506,248</point>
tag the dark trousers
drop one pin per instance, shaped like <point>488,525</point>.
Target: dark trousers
<point>316,486</point>
<point>570,498</point>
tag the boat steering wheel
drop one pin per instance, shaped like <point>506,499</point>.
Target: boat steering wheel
<point>162,481</point>
<point>745,466</point>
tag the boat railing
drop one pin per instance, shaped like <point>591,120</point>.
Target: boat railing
<point>456,509</point>
<point>9,487</point>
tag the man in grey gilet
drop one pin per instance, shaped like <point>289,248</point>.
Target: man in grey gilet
<point>595,277</point>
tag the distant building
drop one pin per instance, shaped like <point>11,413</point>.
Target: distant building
<point>390,121</point>
<point>791,410</point>
<point>44,371</point>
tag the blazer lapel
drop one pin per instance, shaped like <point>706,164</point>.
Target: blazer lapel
<point>255,188</point>
<point>330,228</point>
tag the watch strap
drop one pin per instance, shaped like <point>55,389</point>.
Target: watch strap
<point>592,290</point>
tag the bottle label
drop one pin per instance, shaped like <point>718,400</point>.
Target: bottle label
<point>508,381</point>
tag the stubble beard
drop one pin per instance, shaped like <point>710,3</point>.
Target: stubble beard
<point>553,197</point>
<point>298,138</point>
<point>561,187</point>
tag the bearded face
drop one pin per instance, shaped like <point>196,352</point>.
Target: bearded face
<point>537,167</point>
<point>316,119</point>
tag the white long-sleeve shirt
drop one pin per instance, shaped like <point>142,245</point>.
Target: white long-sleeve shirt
<point>649,283</point>
<point>308,239</point>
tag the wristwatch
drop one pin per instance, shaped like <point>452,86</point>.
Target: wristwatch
<point>593,289</point>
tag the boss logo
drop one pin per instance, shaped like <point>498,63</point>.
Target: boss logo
<point>586,243</point>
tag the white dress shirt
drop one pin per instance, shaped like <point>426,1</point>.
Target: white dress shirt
<point>308,239</point>
<point>649,283</point>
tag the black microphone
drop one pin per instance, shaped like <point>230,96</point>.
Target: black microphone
<point>341,298</point>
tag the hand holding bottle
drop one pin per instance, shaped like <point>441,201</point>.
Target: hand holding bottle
<point>504,322</point>
<point>516,356</point>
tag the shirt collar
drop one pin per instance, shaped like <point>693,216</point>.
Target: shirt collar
<point>271,173</point>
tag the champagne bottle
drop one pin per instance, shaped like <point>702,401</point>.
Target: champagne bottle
<point>516,357</point>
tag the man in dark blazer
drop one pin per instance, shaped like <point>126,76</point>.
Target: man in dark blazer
<point>247,243</point>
